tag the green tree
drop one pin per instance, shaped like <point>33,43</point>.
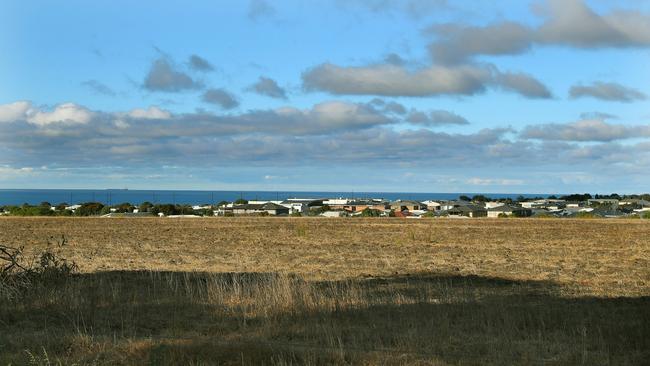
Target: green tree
<point>145,206</point>
<point>89,209</point>
<point>480,198</point>
<point>368,212</point>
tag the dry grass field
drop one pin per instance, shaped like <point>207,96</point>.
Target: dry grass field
<point>293,291</point>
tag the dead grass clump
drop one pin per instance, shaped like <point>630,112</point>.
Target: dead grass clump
<point>19,274</point>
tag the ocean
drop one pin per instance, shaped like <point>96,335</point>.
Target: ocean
<point>116,196</point>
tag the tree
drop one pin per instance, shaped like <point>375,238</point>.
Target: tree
<point>145,206</point>
<point>464,198</point>
<point>89,209</point>
<point>165,209</point>
<point>241,201</point>
<point>124,207</point>
<point>577,197</point>
<point>368,212</point>
<point>480,198</point>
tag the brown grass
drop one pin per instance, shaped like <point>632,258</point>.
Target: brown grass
<point>334,291</point>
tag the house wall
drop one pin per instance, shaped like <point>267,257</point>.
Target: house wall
<point>495,214</point>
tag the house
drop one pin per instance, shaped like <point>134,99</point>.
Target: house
<point>331,214</point>
<point>549,204</point>
<point>448,205</point>
<point>302,205</point>
<point>608,213</point>
<point>635,204</point>
<point>432,205</point>
<point>603,202</point>
<point>493,204</point>
<point>268,208</point>
<point>296,207</point>
<point>469,210</point>
<point>574,204</point>
<point>509,210</point>
<point>407,205</point>
<point>336,203</point>
<point>360,205</point>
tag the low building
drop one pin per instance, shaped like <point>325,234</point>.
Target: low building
<point>603,202</point>
<point>332,214</point>
<point>467,211</point>
<point>493,204</point>
<point>360,205</point>
<point>268,208</point>
<point>336,203</point>
<point>432,205</point>
<point>509,210</point>
<point>407,205</point>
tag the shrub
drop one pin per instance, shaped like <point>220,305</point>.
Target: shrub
<point>18,274</point>
<point>89,209</point>
<point>368,212</point>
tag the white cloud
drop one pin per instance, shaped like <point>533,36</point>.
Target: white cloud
<point>475,181</point>
<point>391,80</point>
<point>152,112</point>
<point>606,91</point>
<point>565,22</point>
<point>394,80</point>
<point>14,111</point>
<point>62,113</point>
<point>585,130</point>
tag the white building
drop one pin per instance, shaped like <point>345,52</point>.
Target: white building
<point>493,204</point>
<point>432,205</point>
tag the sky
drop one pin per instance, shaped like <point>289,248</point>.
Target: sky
<point>542,96</point>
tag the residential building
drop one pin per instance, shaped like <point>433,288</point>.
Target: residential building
<point>407,205</point>
<point>509,210</point>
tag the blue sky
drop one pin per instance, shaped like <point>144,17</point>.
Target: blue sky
<point>382,95</point>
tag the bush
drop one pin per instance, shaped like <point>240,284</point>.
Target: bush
<point>145,206</point>
<point>166,209</point>
<point>89,209</point>
<point>27,210</point>
<point>105,210</point>
<point>18,274</point>
<point>368,212</point>
<point>645,215</point>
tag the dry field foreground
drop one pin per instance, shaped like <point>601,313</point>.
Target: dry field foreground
<point>281,291</point>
